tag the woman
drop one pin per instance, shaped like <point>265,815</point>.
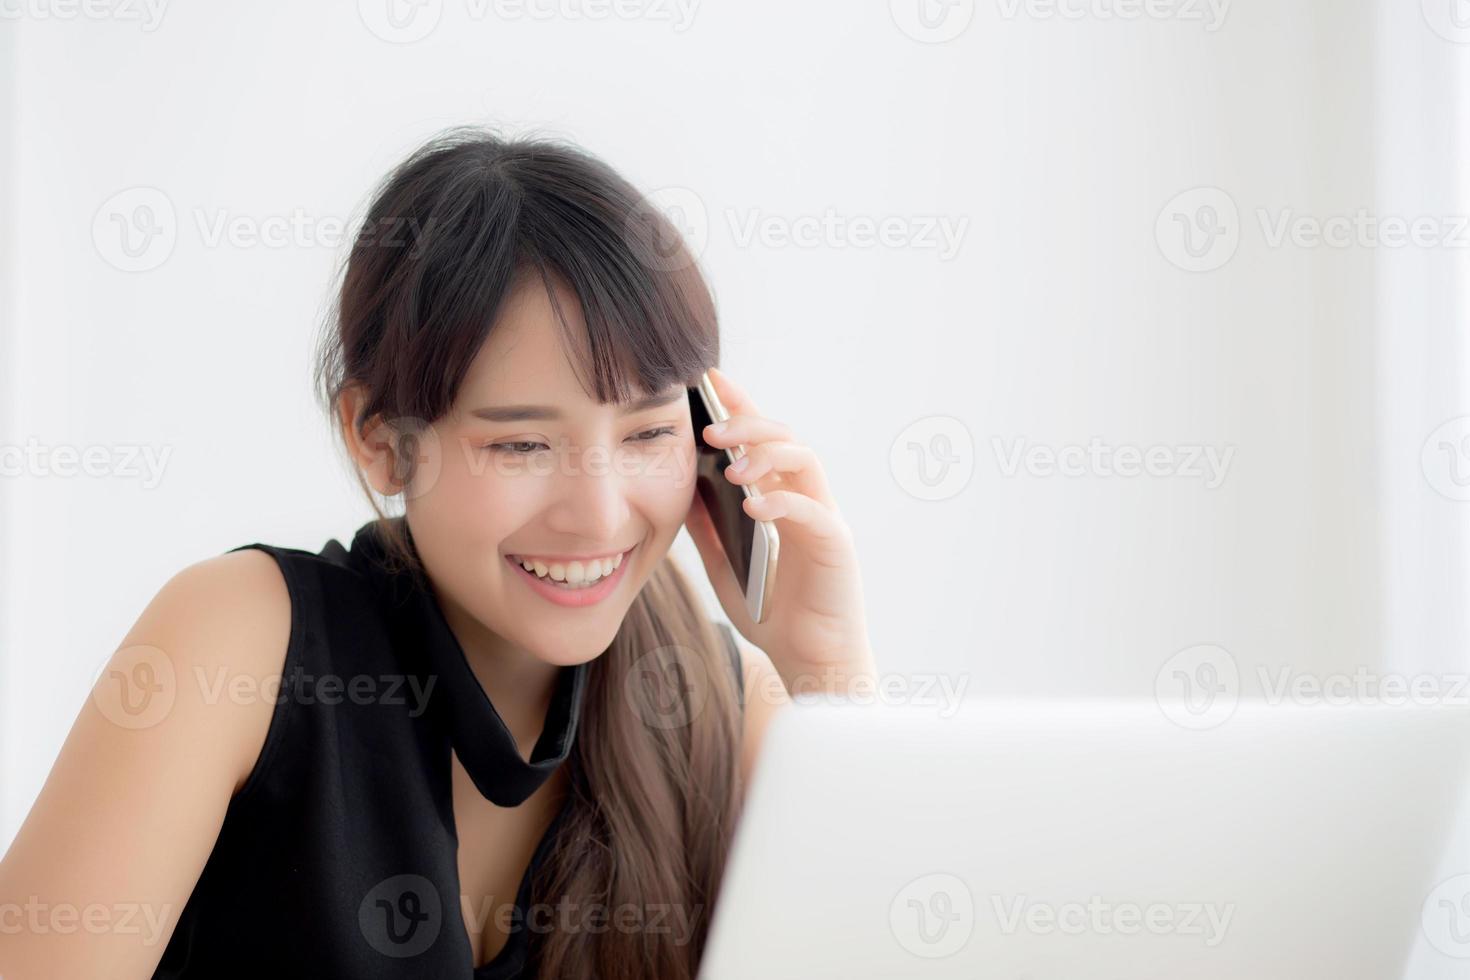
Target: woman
<point>497,736</point>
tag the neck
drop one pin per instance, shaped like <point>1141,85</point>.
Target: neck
<point>519,685</point>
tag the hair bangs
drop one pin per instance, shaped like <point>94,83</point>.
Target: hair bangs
<point>650,321</point>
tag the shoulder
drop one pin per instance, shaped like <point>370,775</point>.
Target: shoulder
<point>764,695</point>
<point>216,631</point>
<point>244,583</point>
<point>233,607</point>
<point>163,728</point>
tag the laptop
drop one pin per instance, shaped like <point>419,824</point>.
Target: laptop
<point>1092,839</point>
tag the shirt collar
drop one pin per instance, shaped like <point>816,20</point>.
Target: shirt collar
<point>423,638</point>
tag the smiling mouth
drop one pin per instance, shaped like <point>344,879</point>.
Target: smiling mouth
<point>571,575</point>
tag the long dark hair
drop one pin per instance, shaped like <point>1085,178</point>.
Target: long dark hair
<point>448,234</point>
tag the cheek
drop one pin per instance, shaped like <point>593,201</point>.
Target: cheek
<point>665,507</point>
<point>667,489</point>
<point>480,499</point>
<point>465,503</point>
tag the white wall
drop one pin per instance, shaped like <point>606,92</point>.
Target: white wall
<point>1060,318</point>
<point>11,753</point>
<point>1422,384</point>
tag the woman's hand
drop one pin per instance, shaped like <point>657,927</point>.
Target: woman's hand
<point>815,631</point>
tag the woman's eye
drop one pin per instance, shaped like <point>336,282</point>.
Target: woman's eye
<point>525,448</point>
<point>518,448</point>
<point>652,434</point>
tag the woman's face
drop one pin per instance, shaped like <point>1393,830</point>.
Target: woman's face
<point>527,464</point>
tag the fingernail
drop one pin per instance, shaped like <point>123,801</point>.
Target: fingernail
<point>717,428</point>
<point>739,465</point>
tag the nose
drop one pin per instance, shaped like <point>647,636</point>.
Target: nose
<point>591,506</point>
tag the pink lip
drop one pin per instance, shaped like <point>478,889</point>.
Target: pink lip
<point>580,597</point>
<point>564,559</point>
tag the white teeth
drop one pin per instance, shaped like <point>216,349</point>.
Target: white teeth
<point>572,573</point>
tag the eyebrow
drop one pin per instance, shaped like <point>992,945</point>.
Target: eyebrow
<point>530,413</point>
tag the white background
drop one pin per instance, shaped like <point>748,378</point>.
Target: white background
<point>1057,143</point>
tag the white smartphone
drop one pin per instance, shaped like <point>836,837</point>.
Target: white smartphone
<point>750,545</point>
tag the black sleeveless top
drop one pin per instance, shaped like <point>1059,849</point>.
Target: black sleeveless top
<point>338,856</point>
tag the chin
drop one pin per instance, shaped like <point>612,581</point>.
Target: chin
<point>571,648</point>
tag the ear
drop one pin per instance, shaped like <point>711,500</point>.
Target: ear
<point>371,445</point>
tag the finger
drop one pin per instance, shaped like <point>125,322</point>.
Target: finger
<point>797,464</point>
<point>818,530</point>
<point>746,430</point>
<point>737,400</point>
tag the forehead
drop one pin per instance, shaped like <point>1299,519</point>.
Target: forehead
<point>524,352</point>
<point>524,359</point>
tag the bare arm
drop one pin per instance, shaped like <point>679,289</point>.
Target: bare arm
<point>765,694</point>
<point>94,883</point>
